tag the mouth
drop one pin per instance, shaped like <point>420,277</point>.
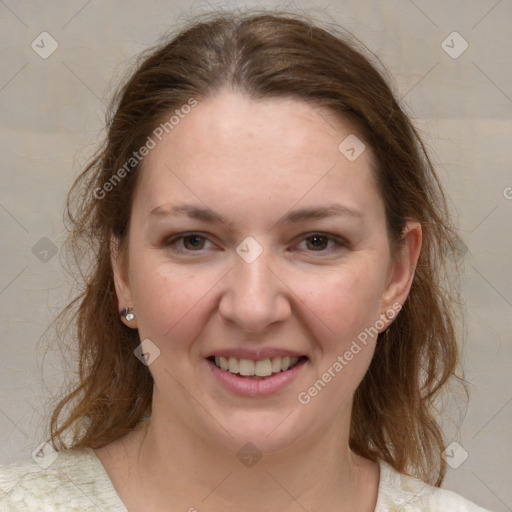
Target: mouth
<point>256,369</point>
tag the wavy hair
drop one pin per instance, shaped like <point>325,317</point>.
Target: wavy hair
<point>267,55</point>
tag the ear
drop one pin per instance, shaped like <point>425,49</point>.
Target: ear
<point>401,273</point>
<point>121,282</point>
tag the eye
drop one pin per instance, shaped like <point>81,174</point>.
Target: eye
<point>195,242</point>
<point>188,242</point>
<point>318,242</point>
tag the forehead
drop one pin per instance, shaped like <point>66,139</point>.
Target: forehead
<point>230,120</point>
<point>281,149</point>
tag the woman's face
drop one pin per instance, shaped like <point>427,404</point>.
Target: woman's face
<point>257,238</point>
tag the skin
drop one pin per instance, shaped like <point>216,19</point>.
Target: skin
<point>253,162</point>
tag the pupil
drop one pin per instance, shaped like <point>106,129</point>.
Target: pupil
<point>196,238</point>
<point>319,239</point>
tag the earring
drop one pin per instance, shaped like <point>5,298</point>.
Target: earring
<point>128,314</point>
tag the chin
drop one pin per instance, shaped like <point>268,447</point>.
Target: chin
<point>265,432</point>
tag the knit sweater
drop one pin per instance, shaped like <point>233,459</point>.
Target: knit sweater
<point>75,480</point>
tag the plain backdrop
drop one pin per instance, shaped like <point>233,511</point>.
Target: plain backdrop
<point>457,87</point>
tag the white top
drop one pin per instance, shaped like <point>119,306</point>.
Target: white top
<point>75,480</point>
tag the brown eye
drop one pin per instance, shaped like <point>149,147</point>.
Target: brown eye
<point>195,242</point>
<point>322,243</point>
<point>318,242</point>
<point>185,243</point>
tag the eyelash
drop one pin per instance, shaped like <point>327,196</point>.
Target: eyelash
<point>337,240</point>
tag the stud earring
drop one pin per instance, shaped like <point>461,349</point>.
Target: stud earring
<point>128,314</point>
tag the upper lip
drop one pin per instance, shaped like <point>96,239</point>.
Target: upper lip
<point>256,354</point>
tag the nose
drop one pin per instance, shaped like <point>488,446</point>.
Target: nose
<point>256,296</point>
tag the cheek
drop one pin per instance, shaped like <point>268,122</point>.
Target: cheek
<point>167,300</point>
<point>345,305</point>
<point>342,304</point>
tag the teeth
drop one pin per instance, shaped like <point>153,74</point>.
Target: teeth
<point>260,368</point>
<point>233,365</point>
<point>246,367</point>
<point>276,364</point>
<point>263,368</point>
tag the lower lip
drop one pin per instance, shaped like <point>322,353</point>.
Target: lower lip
<point>255,387</point>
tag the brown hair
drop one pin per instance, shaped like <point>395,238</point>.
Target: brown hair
<point>267,55</point>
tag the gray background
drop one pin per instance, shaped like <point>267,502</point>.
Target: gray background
<point>52,115</point>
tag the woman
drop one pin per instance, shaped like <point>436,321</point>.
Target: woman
<point>264,325</point>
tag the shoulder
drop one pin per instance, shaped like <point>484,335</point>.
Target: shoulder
<point>405,493</point>
<point>71,480</point>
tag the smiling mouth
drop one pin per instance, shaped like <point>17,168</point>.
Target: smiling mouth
<point>259,369</point>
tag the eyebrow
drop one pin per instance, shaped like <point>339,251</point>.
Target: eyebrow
<point>207,215</point>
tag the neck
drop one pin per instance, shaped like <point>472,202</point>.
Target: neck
<point>173,465</point>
